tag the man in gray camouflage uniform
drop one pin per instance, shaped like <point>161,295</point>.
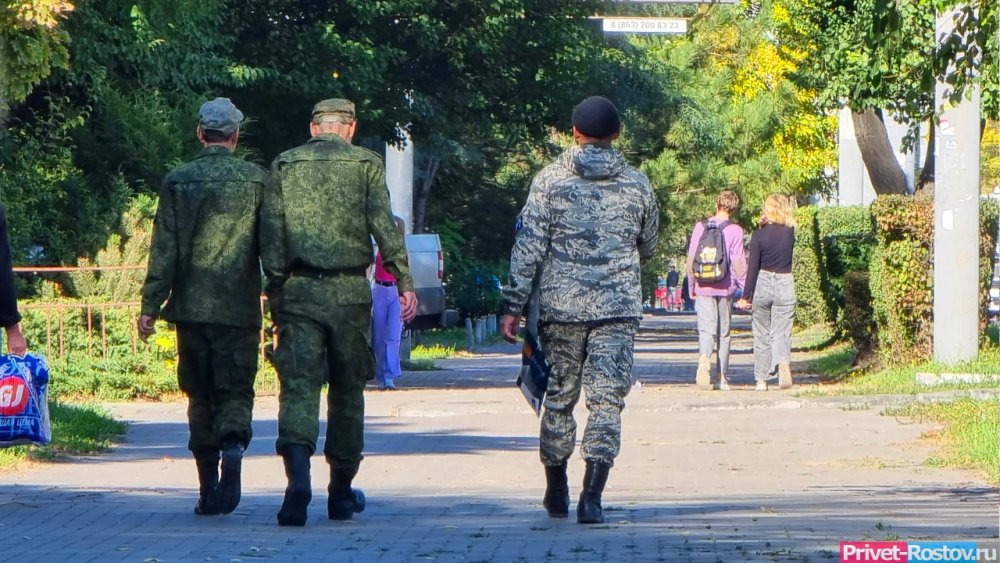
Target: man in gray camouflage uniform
<point>588,221</point>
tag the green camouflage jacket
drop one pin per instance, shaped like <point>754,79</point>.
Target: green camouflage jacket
<point>204,257</point>
<point>325,202</point>
<point>588,220</point>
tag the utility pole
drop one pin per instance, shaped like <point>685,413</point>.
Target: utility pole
<point>399,179</point>
<point>956,221</point>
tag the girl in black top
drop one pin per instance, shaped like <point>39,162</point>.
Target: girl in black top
<point>770,291</point>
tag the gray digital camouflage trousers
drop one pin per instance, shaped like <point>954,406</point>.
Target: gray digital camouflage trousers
<point>320,340</point>
<point>216,368</point>
<point>597,358</point>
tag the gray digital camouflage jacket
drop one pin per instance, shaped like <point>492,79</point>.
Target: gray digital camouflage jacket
<point>589,219</point>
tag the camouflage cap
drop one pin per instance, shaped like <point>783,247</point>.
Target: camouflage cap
<point>333,107</point>
<point>220,115</point>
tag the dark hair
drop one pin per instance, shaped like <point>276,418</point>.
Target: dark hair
<point>213,136</point>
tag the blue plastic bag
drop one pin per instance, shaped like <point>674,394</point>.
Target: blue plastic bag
<point>24,402</point>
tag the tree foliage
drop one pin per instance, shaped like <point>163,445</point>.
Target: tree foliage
<point>969,55</point>
<point>31,44</point>
<point>882,55</point>
<point>474,82</point>
<point>741,123</point>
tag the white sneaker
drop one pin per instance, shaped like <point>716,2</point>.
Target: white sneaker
<point>784,375</point>
<point>761,385</point>
<point>703,377</point>
<point>723,384</point>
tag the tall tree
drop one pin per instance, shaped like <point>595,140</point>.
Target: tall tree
<point>878,56</point>
<point>456,74</point>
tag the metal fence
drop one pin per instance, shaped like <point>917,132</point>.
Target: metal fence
<point>109,327</point>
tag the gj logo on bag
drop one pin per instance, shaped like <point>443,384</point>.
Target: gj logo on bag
<point>24,405</point>
<point>14,396</point>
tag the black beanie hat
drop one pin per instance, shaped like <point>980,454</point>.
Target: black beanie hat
<point>596,117</point>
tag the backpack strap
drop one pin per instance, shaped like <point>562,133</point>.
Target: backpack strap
<point>719,226</point>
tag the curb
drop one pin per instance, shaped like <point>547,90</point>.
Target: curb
<point>853,402</point>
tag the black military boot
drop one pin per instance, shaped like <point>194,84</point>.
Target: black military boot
<point>343,501</point>
<point>589,510</point>
<point>229,484</point>
<point>299,490</point>
<point>207,462</point>
<point>556,499</point>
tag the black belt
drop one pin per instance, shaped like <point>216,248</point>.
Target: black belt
<point>319,273</point>
<point>385,283</point>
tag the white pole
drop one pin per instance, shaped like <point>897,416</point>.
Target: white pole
<point>399,179</point>
<point>956,223</point>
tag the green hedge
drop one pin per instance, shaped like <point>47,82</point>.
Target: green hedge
<point>871,271</point>
<point>989,212</point>
<point>902,275</point>
<point>847,238</point>
<point>811,284</point>
<point>858,318</point>
<point>112,364</point>
<point>829,243</point>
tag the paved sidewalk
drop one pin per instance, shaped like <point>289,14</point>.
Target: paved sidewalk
<point>452,474</point>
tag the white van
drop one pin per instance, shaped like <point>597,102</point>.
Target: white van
<point>427,268</point>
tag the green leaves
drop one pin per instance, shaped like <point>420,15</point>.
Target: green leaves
<point>31,45</point>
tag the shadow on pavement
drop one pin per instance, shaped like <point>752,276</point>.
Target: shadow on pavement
<point>157,525</point>
<point>158,440</point>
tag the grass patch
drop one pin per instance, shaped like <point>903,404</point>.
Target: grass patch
<point>418,365</point>
<point>76,430</point>
<point>453,340</point>
<point>833,363</point>
<point>813,337</point>
<point>970,437</point>
<point>433,352</point>
<point>901,379</point>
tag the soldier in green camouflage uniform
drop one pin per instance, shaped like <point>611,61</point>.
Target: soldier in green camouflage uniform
<point>326,201</point>
<point>204,262</point>
<point>588,221</point>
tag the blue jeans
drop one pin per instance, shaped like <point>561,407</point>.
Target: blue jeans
<point>387,328</point>
<point>773,313</point>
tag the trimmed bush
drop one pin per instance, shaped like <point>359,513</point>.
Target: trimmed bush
<point>858,317</point>
<point>847,237</point>
<point>902,275</point>
<point>989,212</point>
<point>811,287</point>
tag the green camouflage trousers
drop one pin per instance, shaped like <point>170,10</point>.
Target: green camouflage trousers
<point>596,357</point>
<point>216,368</point>
<point>319,340</point>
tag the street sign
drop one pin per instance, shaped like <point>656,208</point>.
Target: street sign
<point>645,25</point>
